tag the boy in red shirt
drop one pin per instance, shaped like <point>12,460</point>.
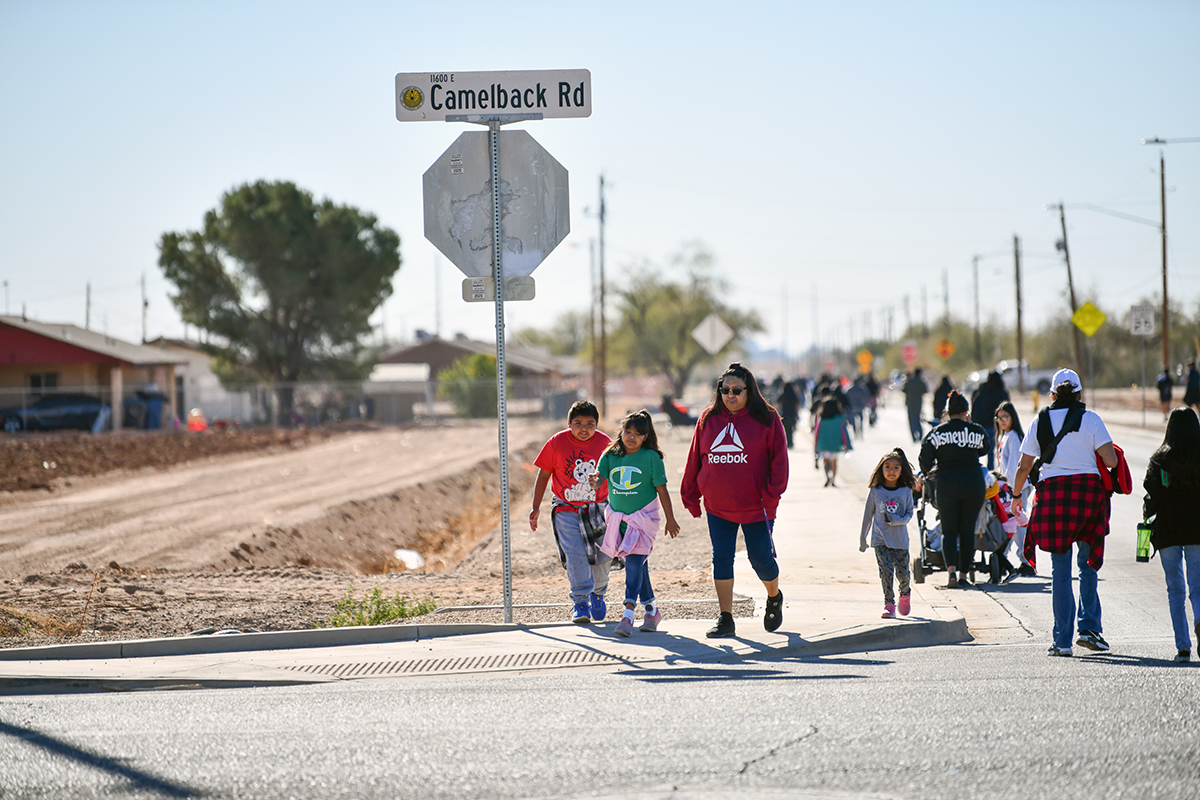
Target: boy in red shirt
<point>576,508</point>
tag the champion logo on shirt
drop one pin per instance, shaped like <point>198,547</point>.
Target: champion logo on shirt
<point>727,448</point>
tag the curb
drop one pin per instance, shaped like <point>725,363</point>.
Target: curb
<point>245,642</point>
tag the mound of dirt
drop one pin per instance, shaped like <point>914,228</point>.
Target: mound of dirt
<point>271,540</point>
<point>42,460</point>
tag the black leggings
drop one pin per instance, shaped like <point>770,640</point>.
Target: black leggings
<point>959,498</point>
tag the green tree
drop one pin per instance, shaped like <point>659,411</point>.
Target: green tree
<point>284,284</point>
<point>658,315</point>
<point>470,383</point>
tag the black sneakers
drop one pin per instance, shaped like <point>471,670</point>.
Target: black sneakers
<point>773,615</point>
<point>1092,640</point>
<point>724,628</point>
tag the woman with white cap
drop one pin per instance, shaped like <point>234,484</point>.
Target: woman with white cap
<point>1071,507</point>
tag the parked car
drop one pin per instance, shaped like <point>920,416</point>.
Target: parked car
<point>53,412</point>
<point>1034,378</point>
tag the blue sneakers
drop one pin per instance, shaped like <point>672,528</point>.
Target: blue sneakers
<point>580,617</point>
<point>599,608</point>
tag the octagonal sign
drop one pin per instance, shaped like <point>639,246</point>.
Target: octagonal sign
<point>535,213</point>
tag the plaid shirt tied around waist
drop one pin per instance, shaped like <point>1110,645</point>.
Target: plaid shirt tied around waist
<point>1069,509</point>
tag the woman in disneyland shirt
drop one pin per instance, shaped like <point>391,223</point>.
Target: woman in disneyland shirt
<point>738,464</point>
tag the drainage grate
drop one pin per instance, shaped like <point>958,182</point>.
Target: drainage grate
<point>557,658</point>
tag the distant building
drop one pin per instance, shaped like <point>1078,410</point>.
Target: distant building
<point>197,386</point>
<point>38,358</point>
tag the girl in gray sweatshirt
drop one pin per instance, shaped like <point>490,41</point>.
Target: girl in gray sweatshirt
<point>888,509</point>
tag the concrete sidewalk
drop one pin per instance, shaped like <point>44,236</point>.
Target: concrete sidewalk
<point>832,605</point>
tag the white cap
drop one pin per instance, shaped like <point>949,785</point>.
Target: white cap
<point>1066,376</point>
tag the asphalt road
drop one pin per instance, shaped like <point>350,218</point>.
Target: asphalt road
<point>981,720</point>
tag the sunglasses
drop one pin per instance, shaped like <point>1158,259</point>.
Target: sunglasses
<point>736,391</point>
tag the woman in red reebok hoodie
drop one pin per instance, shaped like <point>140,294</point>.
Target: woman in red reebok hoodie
<point>738,463</point>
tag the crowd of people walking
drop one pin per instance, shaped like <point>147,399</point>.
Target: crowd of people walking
<point>976,459</point>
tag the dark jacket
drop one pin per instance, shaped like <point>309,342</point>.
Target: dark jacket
<point>940,395</point>
<point>987,399</point>
<point>915,389</point>
<point>953,445</point>
<point>1173,493</point>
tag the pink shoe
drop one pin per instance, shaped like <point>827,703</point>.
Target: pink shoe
<point>889,611</point>
<point>625,627</point>
<point>905,604</point>
<point>650,622</point>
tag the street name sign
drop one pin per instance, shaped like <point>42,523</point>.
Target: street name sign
<point>535,208</point>
<point>435,96</point>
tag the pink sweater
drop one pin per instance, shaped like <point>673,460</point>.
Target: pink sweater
<point>641,531</point>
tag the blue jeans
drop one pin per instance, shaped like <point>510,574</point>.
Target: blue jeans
<point>914,422</point>
<point>760,548</point>
<point>637,579</point>
<point>585,578</point>
<point>1179,588</point>
<point>1064,596</point>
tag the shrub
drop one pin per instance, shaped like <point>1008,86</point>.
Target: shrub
<point>470,383</point>
<point>375,609</point>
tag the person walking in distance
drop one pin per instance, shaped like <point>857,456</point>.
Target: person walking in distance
<point>1191,391</point>
<point>832,438</point>
<point>1165,385</point>
<point>738,465</point>
<point>1172,502</point>
<point>984,402</point>
<point>940,395</point>
<point>915,390</point>
<point>955,448</point>
<point>888,509</point>
<point>576,508</point>
<point>1072,506</point>
<point>632,466</point>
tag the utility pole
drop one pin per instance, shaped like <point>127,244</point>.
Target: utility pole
<point>1062,218</point>
<point>594,340</point>
<point>145,306</point>
<point>1020,332</point>
<point>907,317</point>
<point>1166,323</point>
<point>978,340</point>
<point>603,326</point>
<point>816,332</point>
<point>946,299</point>
<point>924,311</point>
<point>87,314</point>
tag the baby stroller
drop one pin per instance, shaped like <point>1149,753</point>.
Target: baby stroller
<point>991,538</point>
<point>931,558</point>
<point>990,535</point>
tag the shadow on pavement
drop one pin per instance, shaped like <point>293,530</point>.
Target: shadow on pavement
<point>110,765</point>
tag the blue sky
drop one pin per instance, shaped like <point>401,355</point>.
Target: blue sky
<point>859,150</point>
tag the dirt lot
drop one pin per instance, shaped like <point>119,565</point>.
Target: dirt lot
<point>144,535</point>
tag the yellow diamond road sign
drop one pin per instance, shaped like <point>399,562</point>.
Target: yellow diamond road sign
<point>1088,318</point>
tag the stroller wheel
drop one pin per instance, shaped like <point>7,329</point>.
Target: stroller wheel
<point>918,570</point>
<point>994,567</point>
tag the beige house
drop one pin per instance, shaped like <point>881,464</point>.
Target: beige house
<point>38,358</point>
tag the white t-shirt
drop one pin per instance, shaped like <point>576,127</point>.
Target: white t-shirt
<point>1076,453</point>
<point>1010,455</point>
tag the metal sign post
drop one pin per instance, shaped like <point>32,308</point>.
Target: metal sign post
<point>1141,323</point>
<point>454,208</point>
